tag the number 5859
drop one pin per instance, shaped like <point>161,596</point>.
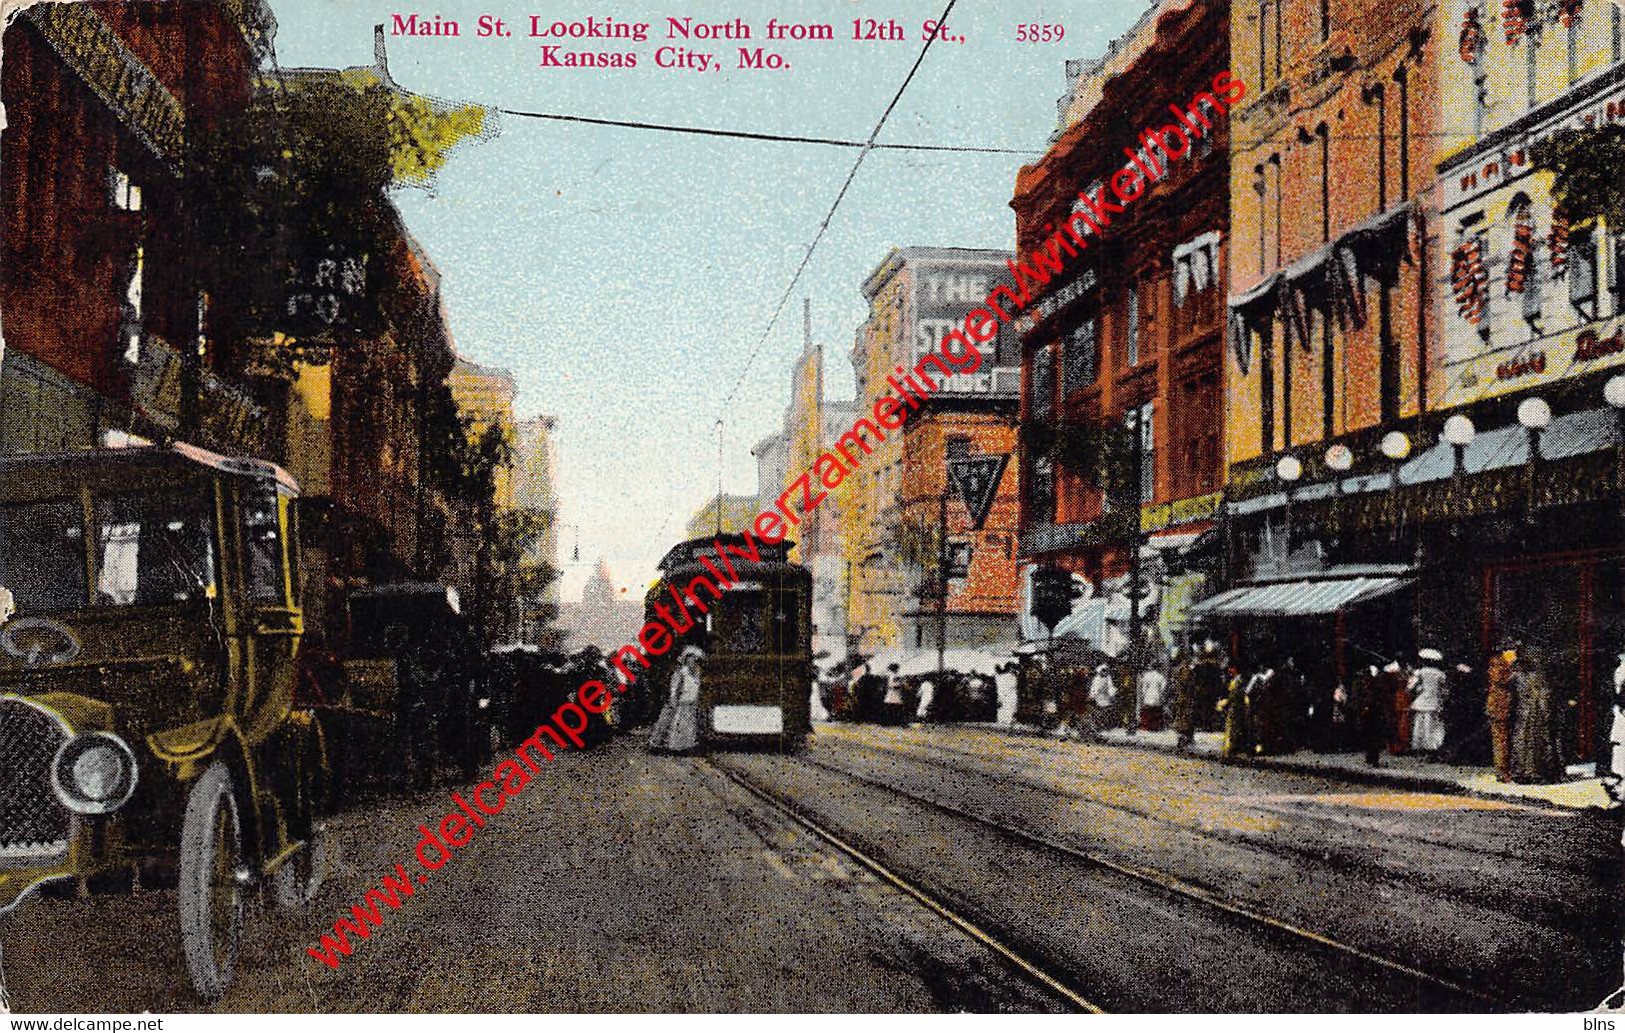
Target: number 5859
<point>1039,33</point>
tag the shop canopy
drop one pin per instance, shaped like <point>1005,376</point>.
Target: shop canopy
<point>1308,598</point>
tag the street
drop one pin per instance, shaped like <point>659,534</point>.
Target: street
<point>1009,873</point>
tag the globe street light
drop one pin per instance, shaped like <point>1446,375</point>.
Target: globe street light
<point>1339,459</point>
<point>1289,469</point>
<point>1535,416</point>
<point>1459,432</point>
<point>1396,445</point>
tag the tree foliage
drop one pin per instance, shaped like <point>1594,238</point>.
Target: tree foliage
<point>1587,168</point>
<point>292,195</point>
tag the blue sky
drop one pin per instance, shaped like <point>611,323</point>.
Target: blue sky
<point>625,276</point>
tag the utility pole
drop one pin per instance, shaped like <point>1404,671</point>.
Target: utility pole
<point>1135,539</point>
<point>942,577</point>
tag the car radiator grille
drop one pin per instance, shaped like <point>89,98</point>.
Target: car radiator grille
<point>32,822</point>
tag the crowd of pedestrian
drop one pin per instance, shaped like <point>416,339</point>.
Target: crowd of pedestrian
<point>1501,713</point>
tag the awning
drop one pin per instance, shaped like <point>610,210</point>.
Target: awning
<point>1308,598</point>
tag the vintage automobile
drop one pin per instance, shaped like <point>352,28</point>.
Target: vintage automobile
<point>407,694</point>
<point>147,726</point>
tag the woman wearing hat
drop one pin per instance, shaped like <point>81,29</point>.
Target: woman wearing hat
<point>678,728</point>
<point>1428,687</point>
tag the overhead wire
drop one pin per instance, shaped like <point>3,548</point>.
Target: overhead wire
<point>742,134</point>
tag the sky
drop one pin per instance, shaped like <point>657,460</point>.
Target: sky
<point>626,276</point>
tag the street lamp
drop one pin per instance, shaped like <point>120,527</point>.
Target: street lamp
<point>1289,468</point>
<point>1535,416</point>
<point>1339,460</point>
<point>1396,445</point>
<point>1459,432</point>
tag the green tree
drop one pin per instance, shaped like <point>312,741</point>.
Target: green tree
<point>302,176</point>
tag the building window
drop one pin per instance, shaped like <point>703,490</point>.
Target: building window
<point>1041,491</point>
<point>124,194</point>
<point>132,316</point>
<point>1041,401</point>
<point>1148,452</point>
<point>1133,353</point>
<point>1619,273</point>
<point>957,446</point>
<point>1080,356</point>
<point>1582,273</point>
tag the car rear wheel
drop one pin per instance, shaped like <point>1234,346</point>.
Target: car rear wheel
<point>211,882</point>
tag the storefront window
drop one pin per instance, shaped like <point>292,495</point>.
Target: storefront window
<point>1582,272</point>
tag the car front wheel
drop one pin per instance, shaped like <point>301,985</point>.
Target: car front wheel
<point>211,882</point>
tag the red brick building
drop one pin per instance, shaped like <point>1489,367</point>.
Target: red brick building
<point>1128,340</point>
<point>98,293</point>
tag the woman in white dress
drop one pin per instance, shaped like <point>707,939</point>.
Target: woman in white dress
<point>677,730</point>
<point>1428,691</point>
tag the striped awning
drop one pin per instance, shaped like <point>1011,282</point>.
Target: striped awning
<point>1297,598</point>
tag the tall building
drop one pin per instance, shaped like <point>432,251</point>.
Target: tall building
<point>484,396</point>
<point>607,617</point>
<point>535,488</point>
<point>113,321</point>
<point>1329,395</point>
<point>891,506</point>
<point>1123,355</point>
<point>1516,532</point>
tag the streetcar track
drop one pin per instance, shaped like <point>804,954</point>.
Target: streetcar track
<point>1169,883</point>
<point>1047,974</point>
<point>1286,851</point>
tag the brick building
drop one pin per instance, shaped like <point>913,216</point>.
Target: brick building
<point>1123,353</point>
<point>105,306</point>
<point>890,505</point>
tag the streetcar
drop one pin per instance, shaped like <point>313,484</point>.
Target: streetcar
<point>756,681</point>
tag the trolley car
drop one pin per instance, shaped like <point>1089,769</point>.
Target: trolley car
<point>756,684</point>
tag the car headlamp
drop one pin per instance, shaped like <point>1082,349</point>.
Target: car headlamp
<point>94,773</point>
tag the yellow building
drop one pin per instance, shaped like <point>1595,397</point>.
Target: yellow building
<point>484,396</point>
<point>1521,287</point>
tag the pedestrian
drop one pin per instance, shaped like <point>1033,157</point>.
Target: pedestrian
<point>1500,704</point>
<point>1209,677</point>
<point>1264,706</point>
<point>1467,741</point>
<point>1183,697</point>
<point>1536,757</point>
<point>893,710</point>
<point>1005,688</point>
<point>1103,697</point>
<point>1615,777</point>
<point>1238,740</point>
<point>928,694</point>
<point>1373,702</point>
<point>677,730</point>
<point>1429,691</point>
<point>1401,702</point>
<point>1153,689</point>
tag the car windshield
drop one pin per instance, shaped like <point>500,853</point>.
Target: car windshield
<point>42,555</point>
<point>152,550</point>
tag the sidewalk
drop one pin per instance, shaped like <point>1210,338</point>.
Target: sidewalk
<point>1582,791</point>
